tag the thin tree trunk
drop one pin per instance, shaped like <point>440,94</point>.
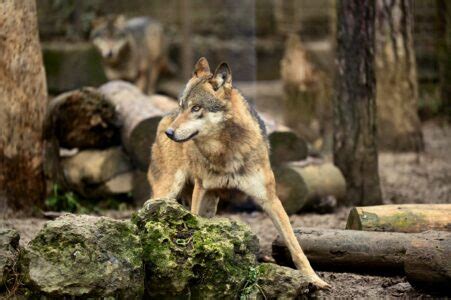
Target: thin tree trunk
<point>355,139</point>
<point>399,127</point>
<point>23,99</point>
<point>444,55</point>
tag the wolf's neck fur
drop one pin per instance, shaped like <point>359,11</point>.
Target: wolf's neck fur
<point>237,140</point>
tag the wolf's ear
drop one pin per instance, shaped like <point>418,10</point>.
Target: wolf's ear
<point>222,76</point>
<point>120,21</point>
<point>201,68</point>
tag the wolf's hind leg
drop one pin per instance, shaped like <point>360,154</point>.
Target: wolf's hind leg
<point>209,205</point>
<point>264,192</point>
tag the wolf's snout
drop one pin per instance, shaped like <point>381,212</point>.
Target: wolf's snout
<point>170,133</point>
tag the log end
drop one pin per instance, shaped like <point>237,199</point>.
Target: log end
<point>353,221</point>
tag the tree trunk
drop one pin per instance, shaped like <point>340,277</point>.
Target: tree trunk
<point>408,218</point>
<point>399,127</point>
<point>423,257</point>
<point>308,186</point>
<point>355,134</point>
<point>307,93</point>
<point>23,98</point>
<point>139,115</point>
<point>444,55</point>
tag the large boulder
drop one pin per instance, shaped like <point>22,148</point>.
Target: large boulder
<point>85,256</point>
<point>189,255</point>
<point>215,258</point>
<point>9,250</point>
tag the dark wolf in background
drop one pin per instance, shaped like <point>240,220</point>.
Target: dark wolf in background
<point>216,141</point>
<point>134,50</point>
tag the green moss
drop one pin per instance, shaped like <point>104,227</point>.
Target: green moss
<point>85,256</point>
<point>186,254</point>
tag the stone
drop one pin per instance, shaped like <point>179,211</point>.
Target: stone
<point>9,252</point>
<point>189,255</point>
<point>85,256</point>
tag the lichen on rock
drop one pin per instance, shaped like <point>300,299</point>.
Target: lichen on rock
<point>189,255</point>
<point>85,256</point>
<point>9,250</point>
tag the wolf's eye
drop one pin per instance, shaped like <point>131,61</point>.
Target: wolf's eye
<point>195,108</point>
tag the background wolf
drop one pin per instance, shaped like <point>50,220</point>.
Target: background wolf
<point>133,50</point>
<point>218,142</point>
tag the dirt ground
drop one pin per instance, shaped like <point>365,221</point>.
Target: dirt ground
<point>405,178</point>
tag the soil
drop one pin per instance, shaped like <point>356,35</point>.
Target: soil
<point>405,178</point>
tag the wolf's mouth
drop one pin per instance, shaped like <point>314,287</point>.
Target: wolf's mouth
<point>186,139</point>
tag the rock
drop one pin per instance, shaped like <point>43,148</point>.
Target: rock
<point>9,249</point>
<point>271,281</point>
<point>85,256</point>
<point>206,258</point>
<point>190,255</point>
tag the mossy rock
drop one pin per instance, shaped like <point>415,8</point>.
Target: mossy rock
<point>9,250</point>
<point>186,255</point>
<point>85,256</point>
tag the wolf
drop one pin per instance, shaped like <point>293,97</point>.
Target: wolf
<point>216,141</point>
<point>133,50</point>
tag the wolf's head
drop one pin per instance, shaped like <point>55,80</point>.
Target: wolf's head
<point>204,105</point>
<point>110,37</point>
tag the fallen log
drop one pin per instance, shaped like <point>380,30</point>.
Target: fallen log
<point>428,262</point>
<point>97,173</point>
<point>348,250</point>
<point>422,257</point>
<point>82,119</point>
<point>301,186</point>
<point>141,188</point>
<point>285,145</point>
<point>139,115</point>
<point>401,218</point>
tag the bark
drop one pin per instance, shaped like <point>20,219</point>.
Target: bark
<point>82,119</point>
<point>307,93</point>
<point>428,264</point>
<point>408,218</point>
<point>139,115</point>
<point>380,253</point>
<point>141,188</point>
<point>98,173</point>
<point>444,55</point>
<point>308,186</point>
<point>355,129</point>
<point>285,144</point>
<point>399,127</point>
<point>23,98</point>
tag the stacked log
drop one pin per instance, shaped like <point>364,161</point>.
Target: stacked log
<point>110,131</point>
<point>311,186</point>
<point>422,257</point>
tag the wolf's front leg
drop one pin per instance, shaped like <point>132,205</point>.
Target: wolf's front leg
<point>198,196</point>
<point>263,190</point>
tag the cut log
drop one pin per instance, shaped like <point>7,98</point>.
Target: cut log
<point>97,173</point>
<point>301,186</point>
<point>285,145</point>
<point>423,257</point>
<point>82,119</point>
<point>141,188</point>
<point>139,115</point>
<point>348,250</point>
<point>428,262</point>
<point>401,218</point>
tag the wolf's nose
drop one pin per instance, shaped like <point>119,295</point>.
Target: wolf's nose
<point>170,133</point>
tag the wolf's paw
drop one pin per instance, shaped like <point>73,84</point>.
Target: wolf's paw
<point>319,283</point>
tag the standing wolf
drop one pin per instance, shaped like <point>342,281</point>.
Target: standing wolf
<point>218,142</point>
<point>133,50</point>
